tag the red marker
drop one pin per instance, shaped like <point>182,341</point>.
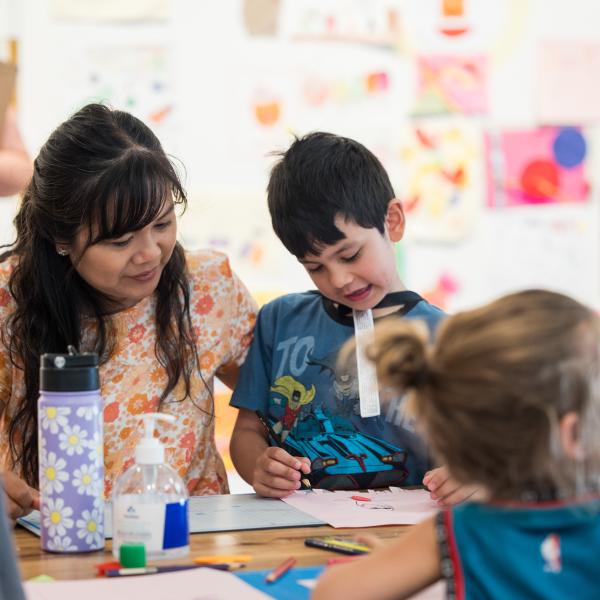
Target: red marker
<point>361,498</point>
<point>283,568</point>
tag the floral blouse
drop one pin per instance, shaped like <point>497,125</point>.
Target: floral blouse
<point>223,315</point>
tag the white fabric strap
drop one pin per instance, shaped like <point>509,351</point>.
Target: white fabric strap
<point>368,387</point>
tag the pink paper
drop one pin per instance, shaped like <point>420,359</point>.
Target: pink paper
<point>395,506</point>
<point>543,166</point>
<point>456,84</point>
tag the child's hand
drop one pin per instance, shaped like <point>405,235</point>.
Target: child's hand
<point>20,498</point>
<point>445,491</point>
<point>277,473</point>
<point>370,540</point>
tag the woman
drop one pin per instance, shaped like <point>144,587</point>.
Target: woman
<point>96,265</point>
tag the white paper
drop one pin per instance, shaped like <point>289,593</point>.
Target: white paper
<point>196,584</point>
<point>395,506</point>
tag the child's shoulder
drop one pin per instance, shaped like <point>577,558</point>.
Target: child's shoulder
<point>295,302</point>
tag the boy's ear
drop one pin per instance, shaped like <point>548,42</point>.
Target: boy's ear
<point>394,220</point>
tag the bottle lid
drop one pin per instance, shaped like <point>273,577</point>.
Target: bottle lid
<point>72,372</point>
<point>149,450</point>
<point>132,556</point>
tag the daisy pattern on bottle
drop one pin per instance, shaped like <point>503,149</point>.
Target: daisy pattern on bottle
<point>85,480</point>
<point>52,473</point>
<point>95,449</point>
<point>56,516</point>
<point>61,544</point>
<point>89,528</point>
<point>72,439</point>
<point>54,417</point>
<point>87,412</point>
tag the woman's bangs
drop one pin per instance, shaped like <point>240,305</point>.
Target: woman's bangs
<point>132,198</point>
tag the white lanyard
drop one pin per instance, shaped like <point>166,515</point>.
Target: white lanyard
<point>368,388</point>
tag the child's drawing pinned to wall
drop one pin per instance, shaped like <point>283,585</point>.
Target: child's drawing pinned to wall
<point>442,179</point>
<point>544,166</point>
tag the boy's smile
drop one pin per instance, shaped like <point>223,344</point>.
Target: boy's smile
<point>360,269</point>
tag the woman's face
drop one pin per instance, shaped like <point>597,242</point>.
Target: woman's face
<point>127,269</point>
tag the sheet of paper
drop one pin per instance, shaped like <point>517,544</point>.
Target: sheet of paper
<point>395,506</point>
<point>197,584</point>
<point>227,512</point>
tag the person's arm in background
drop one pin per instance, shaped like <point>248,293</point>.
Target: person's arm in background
<point>20,498</point>
<point>16,166</point>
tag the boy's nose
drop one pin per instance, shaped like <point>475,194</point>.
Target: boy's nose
<point>340,278</point>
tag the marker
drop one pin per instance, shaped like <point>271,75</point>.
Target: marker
<point>282,569</point>
<point>305,481</point>
<point>361,498</point>
<point>151,570</point>
<point>337,545</point>
<point>225,558</point>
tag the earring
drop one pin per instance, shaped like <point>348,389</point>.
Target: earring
<point>62,251</point>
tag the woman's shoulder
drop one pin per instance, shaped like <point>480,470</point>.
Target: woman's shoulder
<point>206,260</point>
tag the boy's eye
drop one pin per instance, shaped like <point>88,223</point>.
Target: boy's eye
<point>314,269</point>
<point>352,258</point>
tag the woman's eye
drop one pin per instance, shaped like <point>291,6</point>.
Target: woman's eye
<point>163,225</point>
<point>121,243</point>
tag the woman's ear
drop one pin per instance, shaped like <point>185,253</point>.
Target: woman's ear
<point>570,439</point>
<point>394,220</point>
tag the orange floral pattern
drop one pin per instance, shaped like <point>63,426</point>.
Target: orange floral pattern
<point>223,316</point>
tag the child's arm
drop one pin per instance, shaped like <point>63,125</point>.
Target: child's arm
<point>397,570</point>
<point>272,472</point>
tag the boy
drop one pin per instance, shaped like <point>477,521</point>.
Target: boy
<point>333,207</point>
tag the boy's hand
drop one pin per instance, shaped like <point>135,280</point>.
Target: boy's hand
<point>20,498</point>
<point>445,491</point>
<point>277,473</point>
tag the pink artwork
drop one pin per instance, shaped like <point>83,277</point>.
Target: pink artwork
<point>543,166</point>
<point>452,84</point>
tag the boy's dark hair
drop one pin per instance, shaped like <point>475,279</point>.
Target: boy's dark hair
<point>322,176</point>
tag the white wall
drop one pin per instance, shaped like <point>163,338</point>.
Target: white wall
<point>214,72</point>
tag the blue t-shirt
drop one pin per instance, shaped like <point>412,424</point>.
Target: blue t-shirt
<point>312,408</point>
<point>544,550</point>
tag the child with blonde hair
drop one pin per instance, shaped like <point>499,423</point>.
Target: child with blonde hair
<point>509,399</point>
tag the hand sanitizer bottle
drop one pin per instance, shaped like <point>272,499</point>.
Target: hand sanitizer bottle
<point>150,501</point>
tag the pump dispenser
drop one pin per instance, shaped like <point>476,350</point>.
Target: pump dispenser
<point>150,500</point>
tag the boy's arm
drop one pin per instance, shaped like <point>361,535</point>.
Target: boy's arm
<point>397,570</point>
<point>272,472</point>
<point>248,442</point>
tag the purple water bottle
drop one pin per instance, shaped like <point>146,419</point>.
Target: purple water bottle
<point>70,453</point>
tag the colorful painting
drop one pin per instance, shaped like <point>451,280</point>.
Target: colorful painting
<point>543,166</point>
<point>452,84</point>
<point>441,179</point>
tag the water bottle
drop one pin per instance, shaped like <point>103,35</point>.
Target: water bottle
<point>71,453</point>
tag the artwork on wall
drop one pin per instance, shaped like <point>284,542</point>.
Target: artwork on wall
<point>441,178</point>
<point>543,166</point>
<point>377,23</point>
<point>565,71</point>
<point>452,84</point>
<point>137,79</point>
<point>261,17</point>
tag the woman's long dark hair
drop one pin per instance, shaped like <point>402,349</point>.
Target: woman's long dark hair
<point>105,171</point>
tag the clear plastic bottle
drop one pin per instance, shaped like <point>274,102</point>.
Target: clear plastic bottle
<point>150,501</point>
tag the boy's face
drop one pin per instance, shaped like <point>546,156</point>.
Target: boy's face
<point>359,270</point>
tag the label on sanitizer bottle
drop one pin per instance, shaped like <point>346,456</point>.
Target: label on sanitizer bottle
<point>161,527</point>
